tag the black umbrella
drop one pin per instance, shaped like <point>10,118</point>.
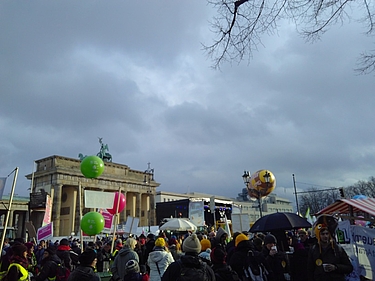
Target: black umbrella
<point>279,221</point>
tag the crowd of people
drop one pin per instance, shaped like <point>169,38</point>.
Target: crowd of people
<point>193,256</point>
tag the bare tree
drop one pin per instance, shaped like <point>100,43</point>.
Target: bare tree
<point>317,200</point>
<point>240,24</point>
<point>366,188</point>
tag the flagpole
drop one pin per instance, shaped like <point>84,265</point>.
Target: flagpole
<point>9,207</point>
<point>80,214</point>
<point>295,193</point>
<point>31,188</point>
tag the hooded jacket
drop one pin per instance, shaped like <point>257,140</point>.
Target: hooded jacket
<point>118,267</point>
<point>218,240</point>
<point>63,252</point>
<point>160,257</point>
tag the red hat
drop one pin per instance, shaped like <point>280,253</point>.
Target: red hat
<point>29,245</point>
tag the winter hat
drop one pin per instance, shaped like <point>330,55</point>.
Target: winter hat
<point>51,250</point>
<point>319,228</point>
<point>151,236</point>
<point>191,244</point>
<point>132,266</point>
<point>87,257</point>
<point>240,237</point>
<point>218,255</point>
<point>206,254</point>
<point>258,243</point>
<point>269,239</point>
<point>18,249</point>
<point>64,241</point>
<point>172,241</point>
<point>220,232</point>
<point>160,242</point>
<point>205,244</point>
<point>29,245</point>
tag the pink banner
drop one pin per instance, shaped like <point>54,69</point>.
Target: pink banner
<point>108,220</point>
<point>45,232</point>
<point>48,213</point>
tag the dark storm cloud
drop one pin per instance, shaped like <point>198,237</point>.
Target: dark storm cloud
<point>134,73</point>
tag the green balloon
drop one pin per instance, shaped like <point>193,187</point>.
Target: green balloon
<point>92,166</point>
<point>92,223</point>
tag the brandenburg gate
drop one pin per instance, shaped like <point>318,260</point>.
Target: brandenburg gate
<point>61,178</point>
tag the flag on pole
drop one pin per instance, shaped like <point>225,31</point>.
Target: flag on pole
<point>307,212</point>
<point>308,216</point>
<point>2,186</point>
<point>227,228</point>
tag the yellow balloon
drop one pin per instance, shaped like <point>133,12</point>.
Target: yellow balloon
<point>259,186</point>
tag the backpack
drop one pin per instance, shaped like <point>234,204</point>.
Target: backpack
<point>193,273</point>
<point>62,273</point>
<point>226,274</point>
<point>254,269</point>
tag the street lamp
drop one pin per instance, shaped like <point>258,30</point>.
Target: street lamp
<point>148,176</point>
<point>247,181</point>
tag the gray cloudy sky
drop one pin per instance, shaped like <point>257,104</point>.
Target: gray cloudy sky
<point>134,73</point>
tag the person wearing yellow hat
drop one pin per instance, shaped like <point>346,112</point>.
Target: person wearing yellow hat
<point>243,254</point>
<point>327,260</point>
<point>205,251</point>
<point>159,259</point>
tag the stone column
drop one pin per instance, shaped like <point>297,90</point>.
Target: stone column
<point>10,221</point>
<point>57,209</point>
<point>138,205</point>
<point>152,209</point>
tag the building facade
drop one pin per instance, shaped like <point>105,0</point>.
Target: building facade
<point>271,204</point>
<point>61,178</point>
<point>18,213</point>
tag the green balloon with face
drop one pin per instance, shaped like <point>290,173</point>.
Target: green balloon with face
<point>92,166</point>
<point>92,223</point>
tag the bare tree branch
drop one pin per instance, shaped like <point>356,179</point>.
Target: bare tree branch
<point>239,25</point>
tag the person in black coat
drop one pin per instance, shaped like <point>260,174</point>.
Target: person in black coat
<point>63,252</point>
<point>230,247</point>
<point>85,270</point>
<point>244,253</point>
<point>149,246</point>
<point>192,247</point>
<point>276,261</point>
<point>223,272</point>
<point>327,260</point>
<point>48,264</point>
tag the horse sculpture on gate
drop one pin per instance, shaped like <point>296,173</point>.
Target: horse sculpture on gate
<point>103,152</point>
